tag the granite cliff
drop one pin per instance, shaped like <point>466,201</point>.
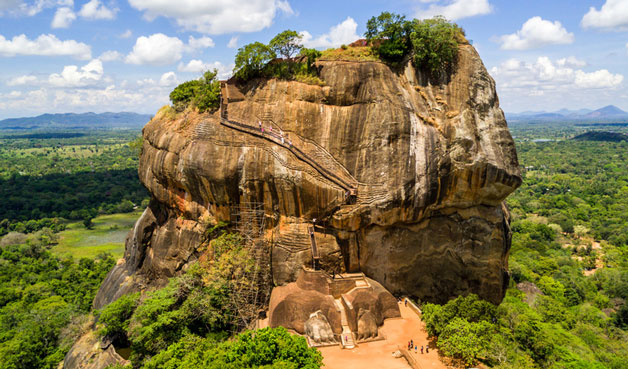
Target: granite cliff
<point>381,170</point>
<point>405,177</point>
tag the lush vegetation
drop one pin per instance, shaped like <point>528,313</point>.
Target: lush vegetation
<point>260,60</point>
<point>566,304</point>
<point>202,93</point>
<point>186,324</point>
<point>432,43</point>
<point>44,301</point>
<point>73,177</point>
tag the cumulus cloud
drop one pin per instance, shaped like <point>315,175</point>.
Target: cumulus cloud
<point>343,33</point>
<point>32,7</point>
<point>215,17</point>
<point>168,79</point>
<point>544,75</point>
<point>126,34</point>
<point>63,18</point>
<point>455,9</point>
<point>200,43</point>
<point>73,76</point>
<point>44,45</point>
<point>233,42</point>
<point>612,15</point>
<point>536,32</point>
<point>110,55</point>
<point>96,10</point>
<point>197,66</point>
<point>22,80</point>
<point>571,61</point>
<point>157,49</point>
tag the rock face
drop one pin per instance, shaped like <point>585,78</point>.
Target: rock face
<point>429,164</point>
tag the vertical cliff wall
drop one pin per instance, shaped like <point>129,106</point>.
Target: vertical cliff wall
<point>405,178</point>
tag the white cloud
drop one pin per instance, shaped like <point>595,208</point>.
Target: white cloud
<point>613,14</point>
<point>215,17</point>
<point>599,79</point>
<point>44,45</point>
<point>200,43</point>
<point>110,55</point>
<point>71,76</point>
<point>233,42</point>
<point>544,75</point>
<point>168,79</point>
<point>96,10</point>
<point>63,18</point>
<point>126,34</point>
<point>571,61</point>
<point>22,80</point>
<point>31,8</point>
<point>197,66</point>
<point>157,49</point>
<point>456,9</point>
<point>343,33</point>
<point>536,32</point>
<point>9,4</point>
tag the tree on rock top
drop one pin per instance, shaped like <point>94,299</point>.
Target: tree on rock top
<point>251,59</point>
<point>287,44</point>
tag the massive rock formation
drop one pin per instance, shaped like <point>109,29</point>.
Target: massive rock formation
<point>430,164</point>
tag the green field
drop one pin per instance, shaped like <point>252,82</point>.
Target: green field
<point>107,235</point>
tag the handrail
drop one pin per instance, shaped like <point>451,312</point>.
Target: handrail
<point>295,150</point>
<point>277,140</point>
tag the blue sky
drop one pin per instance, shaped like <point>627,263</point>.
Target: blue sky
<point>127,55</point>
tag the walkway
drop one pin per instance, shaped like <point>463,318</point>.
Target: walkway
<point>309,152</point>
<point>378,354</point>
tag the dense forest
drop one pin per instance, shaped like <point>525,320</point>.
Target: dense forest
<point>566,304</point>
<point>71,175</point>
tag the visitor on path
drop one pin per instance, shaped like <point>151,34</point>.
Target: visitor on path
<point>415,349</point>
<point>262,130</point>
<point>260,124</point>
<point>405,301</point>
<point>411,344</point>
<point>421,350</point>
<point>427,349</point>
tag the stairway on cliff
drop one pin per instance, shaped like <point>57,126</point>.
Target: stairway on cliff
<point>306,150</point>
<point>346,339</point>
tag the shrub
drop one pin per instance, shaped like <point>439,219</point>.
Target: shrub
<point>465,341</point>
<point>204,93</point>
<point>432,42</point>
<point>251,60</point>
<point>113,321</point>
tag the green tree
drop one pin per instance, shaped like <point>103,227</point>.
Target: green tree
<point>435,43</point>
<point>465,341</point>
<point>251,59</point>
<point>391,31</point>
<point>183,94</point>
<point>287,44</point>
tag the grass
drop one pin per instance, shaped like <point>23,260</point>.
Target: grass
<point>352,53</point>
<point>107,235</point>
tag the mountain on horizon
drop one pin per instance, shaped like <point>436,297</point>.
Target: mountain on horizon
<point>607,113</point>
<point>77,121</point>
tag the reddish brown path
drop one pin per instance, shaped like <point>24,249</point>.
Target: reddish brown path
<point>379,354</point>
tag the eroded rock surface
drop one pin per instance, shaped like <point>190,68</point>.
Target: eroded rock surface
<point>431,163</point>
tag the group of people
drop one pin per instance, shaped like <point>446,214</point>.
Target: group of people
<point>270,130</point>
<point>411,345</point>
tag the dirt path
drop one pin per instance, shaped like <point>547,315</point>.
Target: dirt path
<point>378,354</point>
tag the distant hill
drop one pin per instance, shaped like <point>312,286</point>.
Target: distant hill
<point>605,114</point>
<point>601,136</point>
<point>77,121</point>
